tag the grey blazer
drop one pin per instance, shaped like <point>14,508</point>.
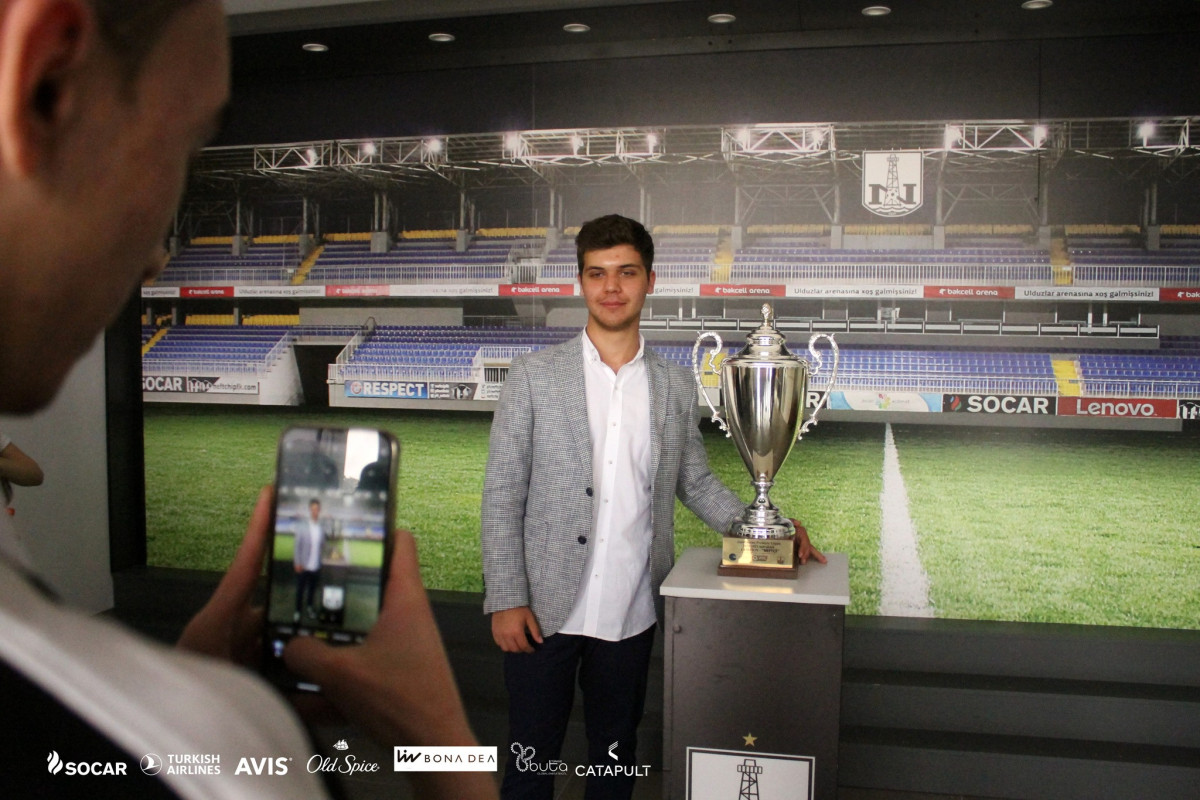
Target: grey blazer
<point>537,493</point>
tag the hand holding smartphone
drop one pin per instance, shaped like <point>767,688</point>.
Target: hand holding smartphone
<point>331,526</point>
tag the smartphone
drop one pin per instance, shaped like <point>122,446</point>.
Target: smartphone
<point>331,528</point>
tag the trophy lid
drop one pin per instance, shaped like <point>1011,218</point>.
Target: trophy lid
<point>765,343</point>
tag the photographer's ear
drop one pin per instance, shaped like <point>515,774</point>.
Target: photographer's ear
<point>42,45</point>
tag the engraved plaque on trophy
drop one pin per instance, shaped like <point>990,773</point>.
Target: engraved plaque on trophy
<point>764,389</point>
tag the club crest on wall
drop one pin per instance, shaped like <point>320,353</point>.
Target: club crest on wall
<point>892,182</point>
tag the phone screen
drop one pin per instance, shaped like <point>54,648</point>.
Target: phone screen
<point>332,526</point>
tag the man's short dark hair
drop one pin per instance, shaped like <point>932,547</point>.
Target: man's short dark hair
<point>611,231</point>
<point>132,27</point>
<point>314,502</point>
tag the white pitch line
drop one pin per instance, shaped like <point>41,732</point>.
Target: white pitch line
<point>904,591</point>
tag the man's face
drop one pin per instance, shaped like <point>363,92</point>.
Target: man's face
<point>314,511</point>
<point>104,196</point>
<point>615,283</point>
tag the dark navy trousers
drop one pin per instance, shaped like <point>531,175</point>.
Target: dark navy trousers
<point>541,692</point>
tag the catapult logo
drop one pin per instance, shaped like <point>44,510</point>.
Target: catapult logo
<point>55,765</point>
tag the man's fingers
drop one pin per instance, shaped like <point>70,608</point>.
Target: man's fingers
<point>308,657</point>
<point>534,630</point>
<point>404,578</point>
<point>237,586</point>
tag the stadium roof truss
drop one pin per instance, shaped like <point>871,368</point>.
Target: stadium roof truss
<point>1001,161</point>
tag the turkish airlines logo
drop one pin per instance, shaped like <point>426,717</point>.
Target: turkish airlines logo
<point>892,182</point>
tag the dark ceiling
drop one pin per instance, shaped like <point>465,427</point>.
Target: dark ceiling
<point>390,37</point>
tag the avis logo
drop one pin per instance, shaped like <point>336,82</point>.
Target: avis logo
<point>262,766</point>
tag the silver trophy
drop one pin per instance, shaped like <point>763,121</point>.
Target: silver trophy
<point>764,388</point>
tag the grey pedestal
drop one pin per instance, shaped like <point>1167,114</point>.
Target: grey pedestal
<point>752,674</point>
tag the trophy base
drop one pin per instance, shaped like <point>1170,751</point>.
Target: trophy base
<point>758,558</point>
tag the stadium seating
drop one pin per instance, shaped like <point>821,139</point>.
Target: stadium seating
<point>201,264</point>
<point>1173,373</point>
<point>1123,259</point>
<point>460,353</point>
<point>678,258</point>
<point>974,260</point>
<point>486,260</point>
<point>202,349</point>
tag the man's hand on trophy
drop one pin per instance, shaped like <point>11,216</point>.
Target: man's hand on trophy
<point>804,547</point>
<point>513,628</point>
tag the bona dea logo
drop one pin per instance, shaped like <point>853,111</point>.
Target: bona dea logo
<point>55,765</point>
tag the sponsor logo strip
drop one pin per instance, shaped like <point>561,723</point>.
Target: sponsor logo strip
<point>537,289</point>
<point>346,290</point>
<point>409,390</point>
<point>1191,295</point>
<point>206,291</point>
<point>969,292</point>
<point>1085,293</point>
<point>1121,407</point>
<point>742,290</point>
<point>444,759</point>
<point>998,404</point>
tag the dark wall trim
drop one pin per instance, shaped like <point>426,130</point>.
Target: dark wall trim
<point>126,449</point>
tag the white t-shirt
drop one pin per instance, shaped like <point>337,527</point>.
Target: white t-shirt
<point>147,698</point>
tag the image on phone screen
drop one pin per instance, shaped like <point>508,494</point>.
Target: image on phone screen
<point>331,538</point>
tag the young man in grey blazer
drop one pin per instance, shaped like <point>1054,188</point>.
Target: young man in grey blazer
<point>591,442</point>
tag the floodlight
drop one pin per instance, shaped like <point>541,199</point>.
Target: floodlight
<point>651,141</point>
<point>310,157</point>
<point>1040,132</point>
<point>721,19</point>
<point>433,145</point>
<point>1034,5</point>
<point>576,27</point>
<point>876,11</point>
<point>314,47</point>
<point>576,143</point>
<point>1146,130</point>
<point>512,142</point>
<point>368,149</point>
<point>744,137</point>
<point>952,136</point>
<point>441,37</point>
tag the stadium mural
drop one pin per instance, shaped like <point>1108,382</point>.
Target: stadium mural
<point>1015,304</point>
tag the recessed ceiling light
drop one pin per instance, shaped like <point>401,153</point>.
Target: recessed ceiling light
<point>441,37</point>
<point>1034,5</point>
<point>314,47</point>
<point>876,11</point>
<point>576,27</point>
<point>721,19</point>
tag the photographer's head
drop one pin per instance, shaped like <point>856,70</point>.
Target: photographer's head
<point>314,508</point>
<point>102,103</point>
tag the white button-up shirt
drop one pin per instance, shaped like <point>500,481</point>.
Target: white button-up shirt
<point>614,600</point>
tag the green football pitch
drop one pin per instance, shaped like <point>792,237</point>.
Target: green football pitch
<point>1093,527</point>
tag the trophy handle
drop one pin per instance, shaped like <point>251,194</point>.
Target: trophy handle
<point>716,415</point>
<point>818,362</point>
